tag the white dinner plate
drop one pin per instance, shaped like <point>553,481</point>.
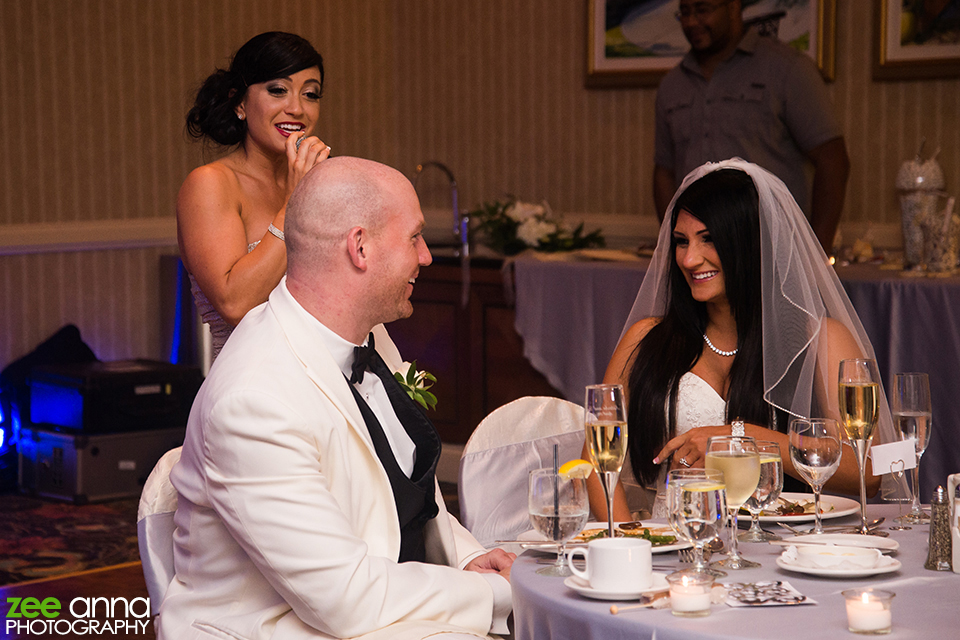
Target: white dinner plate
<point>841,507</point>
<point>537,541</point>
<point>583,588</point>
<point>886,545</point>
<point>886,565</point>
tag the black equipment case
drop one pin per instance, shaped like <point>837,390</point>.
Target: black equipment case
<point>112,397</point>
<point>82,468</point>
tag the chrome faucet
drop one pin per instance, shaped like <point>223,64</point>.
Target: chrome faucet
<point>461,222</point>
<point>461,227</point>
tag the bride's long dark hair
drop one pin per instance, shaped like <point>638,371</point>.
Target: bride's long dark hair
<point>726,202</point>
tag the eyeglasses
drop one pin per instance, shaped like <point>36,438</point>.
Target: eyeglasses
<point>698,9</point>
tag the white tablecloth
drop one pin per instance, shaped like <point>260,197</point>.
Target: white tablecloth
<point>570,316</point>
<point>925,606</point>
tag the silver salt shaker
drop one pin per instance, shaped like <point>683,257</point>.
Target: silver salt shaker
<point>940,554</point>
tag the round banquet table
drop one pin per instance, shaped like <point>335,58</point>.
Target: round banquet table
<point>926,604</point>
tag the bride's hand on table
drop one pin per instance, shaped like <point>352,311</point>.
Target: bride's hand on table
<point>687,449</point>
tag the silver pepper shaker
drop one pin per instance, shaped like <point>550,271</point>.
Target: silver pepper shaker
<point>940,554</point>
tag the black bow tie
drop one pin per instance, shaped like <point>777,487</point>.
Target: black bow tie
<point>362,357</point>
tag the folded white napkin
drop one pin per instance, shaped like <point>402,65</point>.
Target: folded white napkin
<point>832,557</point>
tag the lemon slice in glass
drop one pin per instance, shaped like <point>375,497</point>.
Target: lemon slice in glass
<point>576,469</point>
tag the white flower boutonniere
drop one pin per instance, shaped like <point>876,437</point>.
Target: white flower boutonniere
<point>416,384</point>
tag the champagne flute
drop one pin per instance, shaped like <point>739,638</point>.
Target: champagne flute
<point>859,412</point>
<point>697,508</point>
<point>767,493</point>
<point>605,422</point>
<point>737,457</point>
<point>912,417</point>
<point>558,507</point>
<point>815,450</point>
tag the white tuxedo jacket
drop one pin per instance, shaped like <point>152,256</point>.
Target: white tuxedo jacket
<point>286,525</point>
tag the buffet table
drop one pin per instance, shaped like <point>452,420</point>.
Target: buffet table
<point>570,314</point>
<point>925,604</point>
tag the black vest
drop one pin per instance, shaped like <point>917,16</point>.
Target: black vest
<point>414,496</point>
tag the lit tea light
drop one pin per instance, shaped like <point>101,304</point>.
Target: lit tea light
<point>868,611</point>
<point>690,594</point>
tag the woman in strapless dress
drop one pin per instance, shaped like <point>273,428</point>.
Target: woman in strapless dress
<point>739,324</point>
<point>263,111</point>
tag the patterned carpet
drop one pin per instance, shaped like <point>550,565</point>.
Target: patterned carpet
<point>41,538</point>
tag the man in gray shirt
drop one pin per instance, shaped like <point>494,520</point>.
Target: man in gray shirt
<point>739,94</point>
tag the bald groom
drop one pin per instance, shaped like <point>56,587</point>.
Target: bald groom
<point>308,504</point>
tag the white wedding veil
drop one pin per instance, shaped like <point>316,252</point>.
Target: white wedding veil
<point>799,291</point>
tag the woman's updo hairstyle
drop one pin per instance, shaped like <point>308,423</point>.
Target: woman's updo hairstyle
<point>270,55</point>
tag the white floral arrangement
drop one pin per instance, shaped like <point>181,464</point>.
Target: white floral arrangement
<point>512,226</point>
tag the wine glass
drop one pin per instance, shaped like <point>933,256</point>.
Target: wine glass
<point>912,417</point>
<point>558,507</point>
<point>859,412</point>
<point>737,457</point>
<point>605,422</point>
<point>815,450</point>
<point>697,510</point>
<point>767,493</point>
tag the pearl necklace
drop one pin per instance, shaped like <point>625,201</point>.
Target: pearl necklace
<point>720,352</point>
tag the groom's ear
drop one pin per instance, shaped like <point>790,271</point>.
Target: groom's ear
<point>357,240</point>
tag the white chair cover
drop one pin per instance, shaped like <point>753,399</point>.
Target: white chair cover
<point>158,502</point>
<point>497,459</point>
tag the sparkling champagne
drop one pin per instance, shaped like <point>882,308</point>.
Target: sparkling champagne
<point>741,473</point>
<point>769,485</point>
<point>858,407</point>
<point>607,444</point>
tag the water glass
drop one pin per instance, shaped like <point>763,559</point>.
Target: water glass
<point>767,493</point>
<point>558,508</point>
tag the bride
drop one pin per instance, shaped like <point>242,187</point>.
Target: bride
<point>739,324</point>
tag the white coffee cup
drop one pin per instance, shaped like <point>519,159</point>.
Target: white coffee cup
<point>620,565</point>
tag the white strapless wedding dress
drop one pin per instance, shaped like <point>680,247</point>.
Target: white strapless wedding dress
<point>698,405</point>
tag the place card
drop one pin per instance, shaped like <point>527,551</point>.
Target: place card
<point>894,457</point>
<point>772,593</point>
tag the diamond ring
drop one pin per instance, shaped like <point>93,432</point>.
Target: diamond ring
<point>684,462</point>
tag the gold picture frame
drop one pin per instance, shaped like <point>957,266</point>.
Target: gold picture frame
<point>911,43</point>
<point>638,48</point>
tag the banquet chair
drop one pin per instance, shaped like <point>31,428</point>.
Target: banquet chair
<point>504,448</point>
<point>155,526</point>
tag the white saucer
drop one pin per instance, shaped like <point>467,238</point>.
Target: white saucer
<point>886,565</point>
<point>844,540</point>
<point>583,588</point>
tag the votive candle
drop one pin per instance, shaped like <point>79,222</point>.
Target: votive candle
<point>868,611</point>
<point>690,594</point>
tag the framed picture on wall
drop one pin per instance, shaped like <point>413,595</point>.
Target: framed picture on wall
<point>916,39</point>
<point>633,43</point>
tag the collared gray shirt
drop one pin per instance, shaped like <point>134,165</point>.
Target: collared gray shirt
<point>766,104</point>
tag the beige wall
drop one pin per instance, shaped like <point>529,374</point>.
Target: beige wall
<point>92,150</point>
